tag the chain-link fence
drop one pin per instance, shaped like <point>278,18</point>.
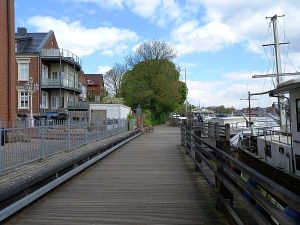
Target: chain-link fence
<point>24,145</point>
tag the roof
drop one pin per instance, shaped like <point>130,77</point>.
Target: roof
<point>286,87</point>
<point>31,42</point>
<point>94,79</point>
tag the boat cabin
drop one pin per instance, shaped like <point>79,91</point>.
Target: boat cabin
<point>282,149</point>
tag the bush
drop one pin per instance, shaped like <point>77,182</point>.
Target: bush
<point>147,118</point>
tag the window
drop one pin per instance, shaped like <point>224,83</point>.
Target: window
<point>268,150</point>
<point>23,70</point>
<point>57,102</point>
<point>23,100</point>
<point>281,150</point>
<point>54,102</point>
<point>44,72</point>
<point>297,159</point>
<point>44,99</point>
<point>54,75</point>
<point>298,114</point>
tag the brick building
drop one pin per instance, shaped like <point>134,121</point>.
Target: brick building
<point>95,86</point>
<point>56,72</point>
<point>7,64</point>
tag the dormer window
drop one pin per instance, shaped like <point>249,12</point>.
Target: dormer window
<point>90,82</point>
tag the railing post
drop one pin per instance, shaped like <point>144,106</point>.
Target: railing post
<point>42,146</point>
<point>86,131</point>
<point>113,126</point>
<point>105,128</point>
<point>210,130</point>
<point>69,133</point>
<point>222,190</point>
<point>216,130</point>
<point>192,144</point>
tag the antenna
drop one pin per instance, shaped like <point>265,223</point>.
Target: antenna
<point>249,106</point>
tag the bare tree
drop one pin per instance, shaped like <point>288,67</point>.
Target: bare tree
<point>113,79</point>
<point>153,49</point>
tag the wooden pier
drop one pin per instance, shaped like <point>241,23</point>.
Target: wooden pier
<point>150,180</point>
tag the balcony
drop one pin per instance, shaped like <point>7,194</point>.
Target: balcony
<point>54,53</point>
<point>60,83</point>
<point>78,105</point>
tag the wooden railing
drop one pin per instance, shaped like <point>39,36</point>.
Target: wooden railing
<point>233,181</point>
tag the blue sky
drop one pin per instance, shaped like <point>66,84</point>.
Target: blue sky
<point>217,41</point>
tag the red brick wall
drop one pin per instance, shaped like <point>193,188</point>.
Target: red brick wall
<point>51,43</point>
<point>7,64</point>
<point>34,73</point>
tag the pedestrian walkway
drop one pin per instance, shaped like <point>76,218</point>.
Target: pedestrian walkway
<point>150,180</point>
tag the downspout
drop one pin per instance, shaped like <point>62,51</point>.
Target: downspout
<point>10,96</point>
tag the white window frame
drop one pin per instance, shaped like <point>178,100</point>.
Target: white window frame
<point>54,74</point>
<point>56,105</point>
<point>22,77</point>
<point>45,100</point>
<point>44,72</point>
<point>20,104</point>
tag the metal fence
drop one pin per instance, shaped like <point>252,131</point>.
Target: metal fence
<point>24,145</point>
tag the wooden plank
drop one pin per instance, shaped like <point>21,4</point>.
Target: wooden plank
<point>145,182</point>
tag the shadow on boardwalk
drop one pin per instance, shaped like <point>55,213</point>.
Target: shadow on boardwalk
<point>148,181</point>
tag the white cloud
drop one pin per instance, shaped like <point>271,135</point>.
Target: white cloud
<point>234,21</point>
<point>103,69</point>
<point>84,41</point>
<point>145,8</point>
<point>157,11</point>
<point>105,3</point>
<point>230,90</point>
<point>191,37</point>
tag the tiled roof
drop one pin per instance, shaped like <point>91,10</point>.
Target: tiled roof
<point>31,42</point>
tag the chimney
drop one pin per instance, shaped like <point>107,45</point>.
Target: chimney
<point>21,31</point>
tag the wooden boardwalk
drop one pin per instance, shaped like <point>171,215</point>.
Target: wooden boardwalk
<point>148,181</point>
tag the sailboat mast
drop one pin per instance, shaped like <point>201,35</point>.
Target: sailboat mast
<point>281,102</point>
<point>277,50</point>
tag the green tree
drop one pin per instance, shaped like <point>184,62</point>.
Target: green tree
<point>155,85</point>
<point>153,49</point>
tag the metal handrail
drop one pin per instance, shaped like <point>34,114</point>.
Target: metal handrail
<point>60,52</point>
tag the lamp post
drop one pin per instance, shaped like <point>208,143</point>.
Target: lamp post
<point>30,87</point>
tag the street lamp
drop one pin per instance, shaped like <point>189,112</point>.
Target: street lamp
<point>30,87</point>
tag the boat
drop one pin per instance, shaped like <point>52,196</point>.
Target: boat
<point>274,151</point>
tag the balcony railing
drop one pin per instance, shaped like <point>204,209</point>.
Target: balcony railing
<point>54,52</point>
<point>60,83</point>
<point>78,105</point>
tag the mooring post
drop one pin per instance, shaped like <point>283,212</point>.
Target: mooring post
<point>227,131</point>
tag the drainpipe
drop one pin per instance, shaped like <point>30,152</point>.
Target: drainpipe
<point>9,105</point>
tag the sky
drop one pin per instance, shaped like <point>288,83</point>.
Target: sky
<point>218,42</point>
